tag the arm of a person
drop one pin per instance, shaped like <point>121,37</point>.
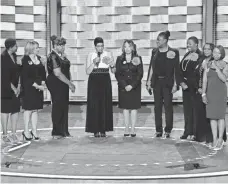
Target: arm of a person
<point>58,73</point>
<point>139,77</point>
<point>112,66</point>
<point>223,74</point>
<point>204,84</point>
<point>121,82</point>
<point>89,64</point>
<point>177,72</point>
<point>150,70</point>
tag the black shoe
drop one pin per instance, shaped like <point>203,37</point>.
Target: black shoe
<point>167,135</point>
<point>26,138</point>
<point>126,135</point>
<point>133,135</point>
<point>35,138</point>
<point>96,134</point>
<point>184,136</point>
<point>158,134</point>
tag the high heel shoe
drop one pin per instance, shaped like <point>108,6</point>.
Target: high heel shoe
<point>35,138</point>
<point>26,138</point>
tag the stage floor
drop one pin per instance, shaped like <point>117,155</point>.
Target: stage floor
<point>113,157</point>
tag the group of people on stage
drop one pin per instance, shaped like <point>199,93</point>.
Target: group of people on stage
<point>201,75</point>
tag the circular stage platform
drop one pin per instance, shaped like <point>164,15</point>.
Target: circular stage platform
<point>115,157</point>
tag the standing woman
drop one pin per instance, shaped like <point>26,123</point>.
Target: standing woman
<point>99,115</point>
<point>215,96</point>
<point>58,83</point>
<point>192,100</point>
<point>33,83</point>
<point>129,73</point>
<point>205,129</point>
<point>10,90</point>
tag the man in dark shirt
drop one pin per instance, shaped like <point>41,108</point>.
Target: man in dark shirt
<point>164,79</point>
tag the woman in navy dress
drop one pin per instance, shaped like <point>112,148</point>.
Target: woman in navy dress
<point>33,83</point>
<point>99,114</point>
<point>129,73</point>
<point>215,95</point>
<point>10,89</point>
<point>58,83</point>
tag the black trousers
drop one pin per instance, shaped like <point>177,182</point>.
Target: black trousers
<point>60,99</point>
<point>163,94</point>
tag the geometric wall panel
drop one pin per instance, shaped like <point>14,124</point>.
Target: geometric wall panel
<point>116,20</point>
<point>24,20</point>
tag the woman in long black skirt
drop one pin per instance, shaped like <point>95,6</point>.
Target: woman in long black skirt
<point>99,117</point>
<point>58,83</point>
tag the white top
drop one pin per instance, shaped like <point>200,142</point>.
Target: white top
<point>93,55</point>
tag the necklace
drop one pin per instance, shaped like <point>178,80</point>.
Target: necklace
<point>184,69</point>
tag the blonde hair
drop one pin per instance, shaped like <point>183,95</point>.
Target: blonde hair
<point>30,46</point>
<point>132,45</point>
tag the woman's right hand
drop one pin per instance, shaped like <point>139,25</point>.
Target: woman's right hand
<point>96,60</point>
<point>72,87</point>
<point>204,99</point>
<point>184,86</point>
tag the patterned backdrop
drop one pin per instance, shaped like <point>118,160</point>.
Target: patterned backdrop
<point>116,20</point>
<point>24,20</point>
<point>222,25</point>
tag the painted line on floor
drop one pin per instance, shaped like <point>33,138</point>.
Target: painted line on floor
<point>174,176</point>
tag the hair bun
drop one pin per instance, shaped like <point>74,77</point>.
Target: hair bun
<point>167,34</point>
<point>53,37</point>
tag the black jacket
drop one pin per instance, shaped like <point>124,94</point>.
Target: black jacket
<point>172,68</point>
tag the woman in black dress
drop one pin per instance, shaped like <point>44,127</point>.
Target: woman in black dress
<point>10,90</point>
<point>99,115</point>
<point>58,83</point>
<point>33,83</point>
<point>129,73</point>
<point>194,109</point>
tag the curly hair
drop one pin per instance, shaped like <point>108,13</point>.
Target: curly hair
<point>57,40</point>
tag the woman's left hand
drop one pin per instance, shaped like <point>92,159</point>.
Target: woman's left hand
<point>128,88</point>
<point>200,91</point>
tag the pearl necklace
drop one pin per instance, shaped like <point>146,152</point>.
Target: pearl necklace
<point>184,69</point>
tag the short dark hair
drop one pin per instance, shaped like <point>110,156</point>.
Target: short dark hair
<point>194,39</point>
<point>10,42</point>
<point>212,46</point>
<point>222,51</point>
<point>57,40</point>
<point>98,40</point>
<point>165,35</point>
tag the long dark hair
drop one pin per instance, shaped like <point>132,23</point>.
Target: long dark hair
<point>134,51</point>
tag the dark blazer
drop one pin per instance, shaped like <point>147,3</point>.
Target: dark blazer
<point>32,73</point>
<point>10,73</point>
<point>128,74</point>
<point>172,68</point>
<point>191,76</point>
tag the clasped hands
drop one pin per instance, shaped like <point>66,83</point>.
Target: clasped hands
<point>40,87</point>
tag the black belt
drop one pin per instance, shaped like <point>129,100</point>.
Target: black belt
<point>100,70</point>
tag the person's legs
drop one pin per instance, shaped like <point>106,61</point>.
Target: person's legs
<point>221,129</point>
<point>168,104</point>
<point>34,122</point>
<point>158,102</point>
<point>134,113</point>
<point>4,121</point>
<point>214,129</point>
<point>126,115</point>
<point>188,119</point>
<point>27,118</point>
